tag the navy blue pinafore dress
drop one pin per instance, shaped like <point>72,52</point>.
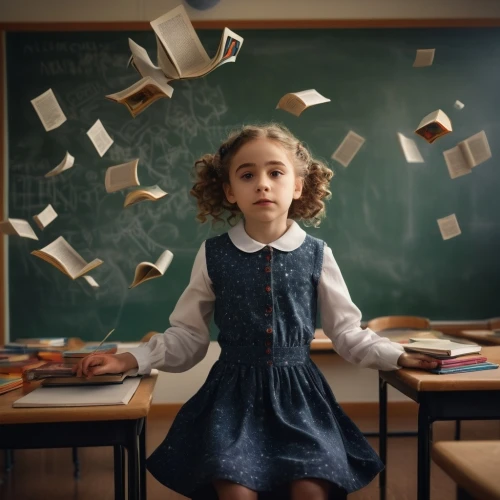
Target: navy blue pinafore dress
<point>265,415</point>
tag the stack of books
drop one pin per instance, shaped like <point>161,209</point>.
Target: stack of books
<point>10,383</point>
<point>452,357</point>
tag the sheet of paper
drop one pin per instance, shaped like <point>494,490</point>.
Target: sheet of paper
<point>410,149</point>
<point>348,148</point>
<point>449,227</point>
<point>48,110</point>
<point>91,281</point>
<point>296,102</point>
<point>100,138</point>
<point>456,163</point>
<point>479,148</point>
<point>67,162</point>
<point>459,105</point>
<point>423,58</point>
<point>121,176</point>
<point>17,227</point>
<point>45,217</point>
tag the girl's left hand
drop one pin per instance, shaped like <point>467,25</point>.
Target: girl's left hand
<point>416,360</point>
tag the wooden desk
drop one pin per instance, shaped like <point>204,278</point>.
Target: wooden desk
<point>460,396</point>
<point>482,337</point>
<point>120,426</point>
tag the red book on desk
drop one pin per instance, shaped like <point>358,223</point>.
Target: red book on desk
<point>460,361</point>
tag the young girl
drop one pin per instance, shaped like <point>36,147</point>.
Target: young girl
<point>265,423</point>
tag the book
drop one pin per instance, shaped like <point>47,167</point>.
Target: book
<point>17,227</point>
<point>10,383</point>
<point>122,176</point>
<point>448,226</point>
<point>348,148</point>
<point>64,257</point>
<point>45,217</point>
<point>147,270</point>
<point>410,149</point>
<point>297,102</point>
<point>424,57</point>
<point>43,341</point>
<point>433,126</point>
<point>19,366</point>
<point>442,348</point>
<point>67,162</point>
<point>11,355</point>
<point>101,395</point>
<point>467,154</point>
<point>461,361</point>
<point>109,378</point>
<point>151,193</point>
<point>48,110</point>
<point>464,369</point>
<point>110,348</point>
<point>179,49</point>
<point>99,138</point>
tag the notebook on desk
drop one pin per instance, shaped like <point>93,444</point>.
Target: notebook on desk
<point>102,395</point>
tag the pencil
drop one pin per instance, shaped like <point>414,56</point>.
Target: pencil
<point>102,342</point>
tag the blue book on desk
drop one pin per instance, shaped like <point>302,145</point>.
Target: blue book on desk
<point>467,368</point>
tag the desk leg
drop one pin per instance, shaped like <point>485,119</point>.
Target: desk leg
<point>119,459</point>
<point>382,398</point>
<point>424,458</point>
<point>133,462</point>
<point>142,461</point>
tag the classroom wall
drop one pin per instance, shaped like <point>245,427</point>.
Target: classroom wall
<point>146,10</point>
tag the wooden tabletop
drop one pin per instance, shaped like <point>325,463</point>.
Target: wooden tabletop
<point>421,380</point>
<point>473,465</point>
<point>483,337</point>
<point>137,407</point>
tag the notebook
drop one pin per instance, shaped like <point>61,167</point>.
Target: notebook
<point>463,369</point>
<point>102,395</point>
<point>442,348</point>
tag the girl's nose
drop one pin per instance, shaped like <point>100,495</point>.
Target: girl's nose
<point>262,184</point>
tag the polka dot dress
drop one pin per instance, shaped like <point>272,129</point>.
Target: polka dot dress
<point>265,416</point>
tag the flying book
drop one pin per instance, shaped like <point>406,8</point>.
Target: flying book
<point>296,102</point>
<point>67,162</point>
<point>48,110</point>
<point>467,154</point>
<point>152,193</point>
<point>423,58</point>
<point>179,49</point>
<point>147,271</point>
<point>348,148</point>
<point>99,137</point>
<point>434,125</point>
<point>64,257</point>
<point>459,105</point>
<point>17,227</point>
<point>122,176</point>
<point>442,348</point>
<point>410,149</point>
<point>45,217</point>
<point>448,226</point>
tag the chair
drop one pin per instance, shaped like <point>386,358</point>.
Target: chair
<point>389,322</point>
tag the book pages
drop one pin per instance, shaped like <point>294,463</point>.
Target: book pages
<point>459,105</point>
<point>152,193</point>
<point>146,270</point>
<point>122,176</point>
<point>67,162</point>
<point>45,217</point>
<point>456,163</point>
<point>48,110</point>
<point>478,148</point>
<point>423,58</point>
<point>410,149</point>
<point>91,281</point>
<point>100,138</point>
<point>348,148</point>
<point>17,227</point>
<point>296,102</point>
<point>165,63</point>
<point>449,227</point>
<point>178,37</point>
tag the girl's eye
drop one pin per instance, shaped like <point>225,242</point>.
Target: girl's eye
<point>248,175</point>
<point>276,173</point>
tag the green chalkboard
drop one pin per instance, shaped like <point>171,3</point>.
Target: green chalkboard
<point>381,219</point>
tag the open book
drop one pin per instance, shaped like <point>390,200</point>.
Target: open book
<point>151,193</point>
<point>45,217</point>
<point>348,148</point>
<point>147,271</point>
<point>449,227</point>
<point>19,227</point>
<point>467,155</point>
<point>180,52</point>
<point>296,102</point>
<point>434,125</point>
<point>64,257</point>
<point>122,176</point>
<point>67,162</point>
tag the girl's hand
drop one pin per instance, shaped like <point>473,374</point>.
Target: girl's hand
<point>416,360</point>
<point>98,364</point>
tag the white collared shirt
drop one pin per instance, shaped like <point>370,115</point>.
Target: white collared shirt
<point>186,342</point>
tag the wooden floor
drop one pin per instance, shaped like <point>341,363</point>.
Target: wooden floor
<point>48,474</point>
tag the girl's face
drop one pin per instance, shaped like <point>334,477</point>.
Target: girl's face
<point>262,181</point>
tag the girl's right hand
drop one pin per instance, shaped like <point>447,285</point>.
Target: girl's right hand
<point>99,364</point>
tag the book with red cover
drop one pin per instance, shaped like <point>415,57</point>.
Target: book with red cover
<point>460,361</point>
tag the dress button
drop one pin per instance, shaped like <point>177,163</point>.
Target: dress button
<point>268,351</point>
<point>268,288</point>
<point>269,309</point>
<point>268,257</point>
<point>269,330</point>
<point>268,343</point>
<point>269,363</point>
<point>267,269</point>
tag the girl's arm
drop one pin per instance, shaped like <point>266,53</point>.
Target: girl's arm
<point>341,320</point>
<point>186,342</point>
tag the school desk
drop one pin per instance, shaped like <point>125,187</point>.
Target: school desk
<point>460,396</point>
<point>120,426</point>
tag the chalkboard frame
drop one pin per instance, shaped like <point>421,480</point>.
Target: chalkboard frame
<point>199,25</point>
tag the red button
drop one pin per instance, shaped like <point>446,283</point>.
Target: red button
<point>269,309</point>
<point>268,288</point>
<point>269,363</point>
<point>268,343</point>
<point>268,257</point>
<point>269,330</point>
<point>268,351</point>
<point>267,269</point>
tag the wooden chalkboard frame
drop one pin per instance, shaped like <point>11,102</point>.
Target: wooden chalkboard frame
<point>235,24</point>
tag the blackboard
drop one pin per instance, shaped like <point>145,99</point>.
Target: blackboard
<point>381,219</point>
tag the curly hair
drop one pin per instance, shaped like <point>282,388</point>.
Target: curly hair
<point>212,171</point>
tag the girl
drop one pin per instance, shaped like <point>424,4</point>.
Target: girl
<point>265,423</point>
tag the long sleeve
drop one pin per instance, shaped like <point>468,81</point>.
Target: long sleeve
<point>186,342</point>
<point>341,323</point>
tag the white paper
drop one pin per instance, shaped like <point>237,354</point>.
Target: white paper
<point>45,217</point>
<point>67,162</point>
<point>410,149</point>
<point>456,163</point>
<point>99,137</point>
<point>17,227</point>
<point>423,58</point>
<point>449,227</point>
<point>479,148</point>
<point>91,281</point>
<point>48,110</point>
<point>459,105</point>
<point>121,176</point>
<point>296,102</point>
<point>348,148</point>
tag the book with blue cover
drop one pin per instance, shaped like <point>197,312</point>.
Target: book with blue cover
<point>109,348</point>
<point>467,368</point>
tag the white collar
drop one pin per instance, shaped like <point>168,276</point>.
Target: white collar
<point>291,240</point>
